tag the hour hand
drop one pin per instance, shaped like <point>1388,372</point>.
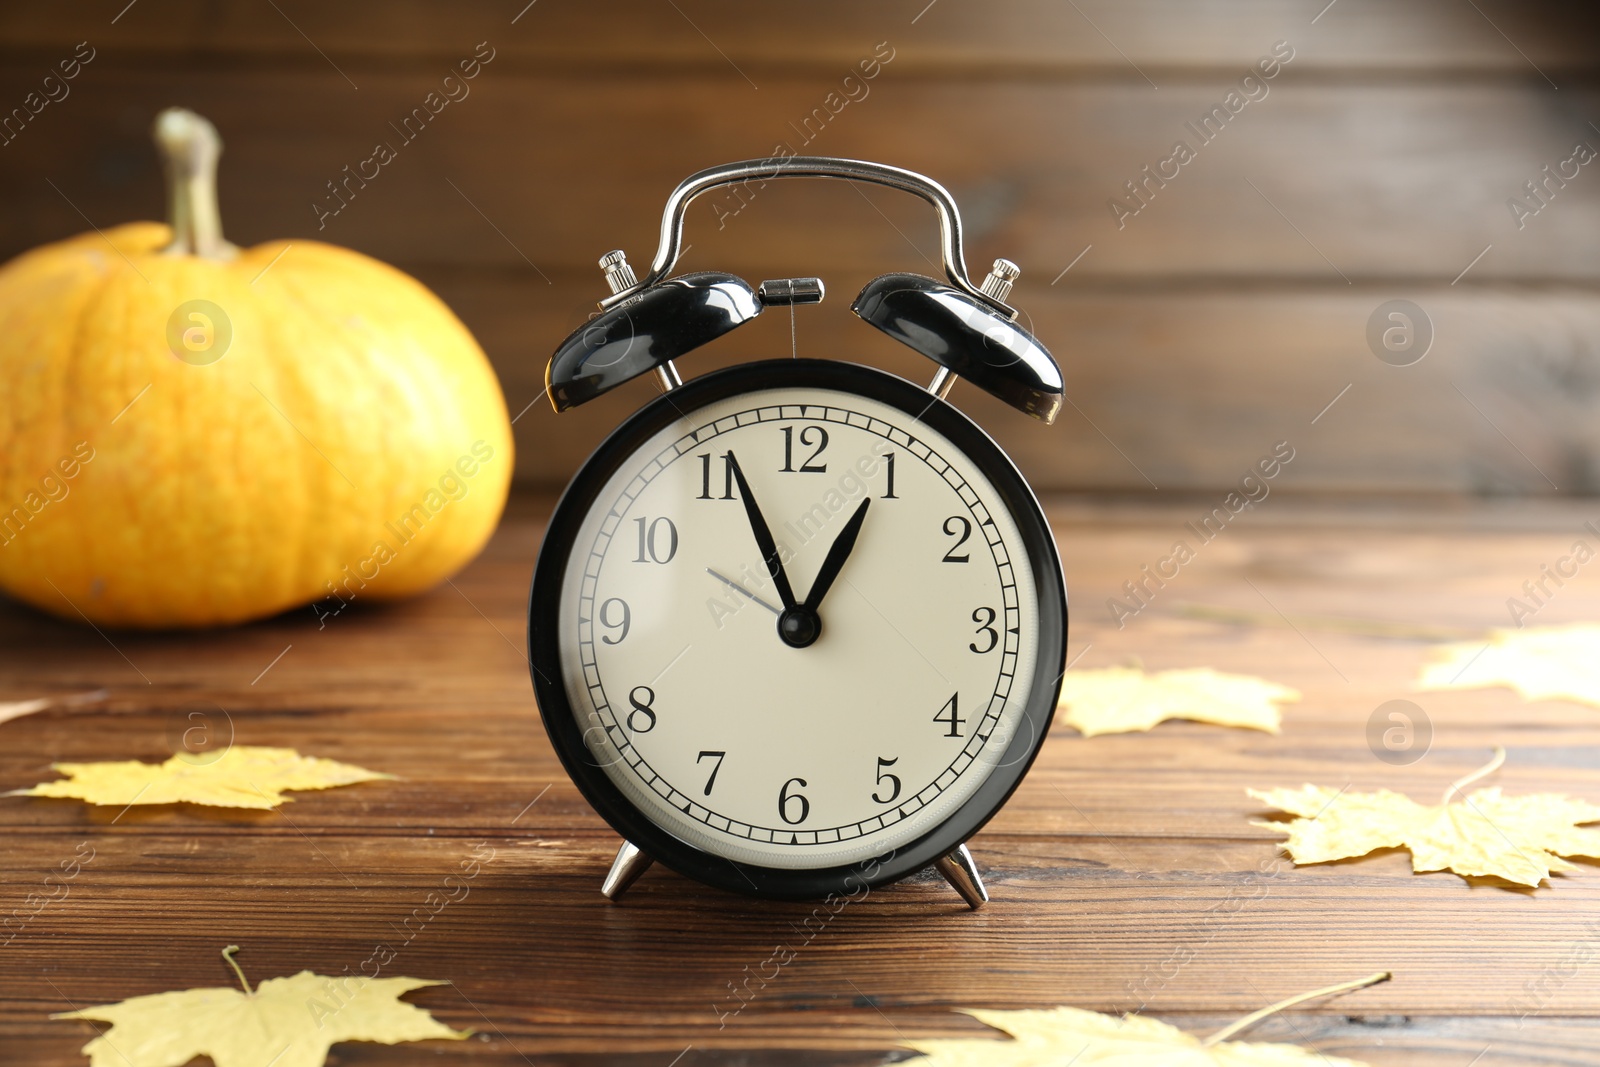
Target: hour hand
<point>764,541</point>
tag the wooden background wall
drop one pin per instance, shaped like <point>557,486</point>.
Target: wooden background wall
<point>1222,318</point>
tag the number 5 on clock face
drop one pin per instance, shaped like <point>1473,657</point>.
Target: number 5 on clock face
<point>802,621</point>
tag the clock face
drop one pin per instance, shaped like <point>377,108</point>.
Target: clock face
<point>840,710</point>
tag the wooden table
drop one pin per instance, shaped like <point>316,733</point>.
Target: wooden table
<point>1124,873</point>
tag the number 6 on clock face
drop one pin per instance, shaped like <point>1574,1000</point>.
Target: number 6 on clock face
<point>797,627</point>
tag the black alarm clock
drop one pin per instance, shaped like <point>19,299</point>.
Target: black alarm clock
<point>798,626</point>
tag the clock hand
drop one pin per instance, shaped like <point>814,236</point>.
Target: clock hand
<point>833,563</point>
<point>758,526</point>
<point>731,584</point>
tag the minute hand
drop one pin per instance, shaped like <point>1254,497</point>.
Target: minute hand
<point>837,554</point>
<point>764,541</point>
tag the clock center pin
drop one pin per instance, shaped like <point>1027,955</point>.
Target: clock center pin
<point>799,626</point>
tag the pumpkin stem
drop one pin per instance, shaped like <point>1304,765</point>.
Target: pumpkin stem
<point>190,148</point>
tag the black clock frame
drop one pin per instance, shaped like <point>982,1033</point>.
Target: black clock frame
<point>544,652</point>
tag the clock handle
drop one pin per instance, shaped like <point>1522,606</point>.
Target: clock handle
<point>667,252</point>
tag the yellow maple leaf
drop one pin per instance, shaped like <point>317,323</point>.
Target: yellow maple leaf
<point>1124,699</point>
<point>1520,839</point>
<point>1540,663</point>
<point>1055,1037</point>
<point>283,1022</point>
<point>244,776</point>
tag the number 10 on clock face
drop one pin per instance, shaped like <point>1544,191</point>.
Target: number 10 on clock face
<point>798,627</point>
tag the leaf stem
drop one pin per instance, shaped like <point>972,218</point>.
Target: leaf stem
<point>227,954</point>
<point>1272,1009</point>
<point>1487,769</point>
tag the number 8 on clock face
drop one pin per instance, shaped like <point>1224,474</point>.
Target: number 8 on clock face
<point>798,626</point>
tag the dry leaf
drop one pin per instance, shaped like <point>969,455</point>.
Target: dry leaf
<point>1123,699</point>
<point>1520,839</point>
<point>1060,1036</point>
<point>244,776</point>
<point>284,1022</point>
<point>1540,663</point>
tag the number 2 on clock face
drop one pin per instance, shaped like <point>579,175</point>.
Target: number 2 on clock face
<point>740,743</point>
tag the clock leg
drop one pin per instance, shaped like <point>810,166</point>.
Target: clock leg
<point>962,873</point>
<point>625,870</point>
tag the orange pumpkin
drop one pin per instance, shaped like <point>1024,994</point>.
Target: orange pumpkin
<point>194,434</point>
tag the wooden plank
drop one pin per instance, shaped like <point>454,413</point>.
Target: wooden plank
<point>1124,872</point>
<point>1204,920</point>
<point>1318,183</point>
<point>1185,388</point>
<point>1108,38</point>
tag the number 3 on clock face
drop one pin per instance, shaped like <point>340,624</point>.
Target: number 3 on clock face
<point>797,627</point>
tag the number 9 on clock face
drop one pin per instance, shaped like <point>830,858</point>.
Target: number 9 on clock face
<point>797,627</point>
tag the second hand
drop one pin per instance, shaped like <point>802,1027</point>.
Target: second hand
<point>730,583</point>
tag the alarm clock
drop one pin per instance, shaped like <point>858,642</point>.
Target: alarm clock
<point>797,627</point>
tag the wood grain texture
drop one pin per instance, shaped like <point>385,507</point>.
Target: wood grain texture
<point>1103,38</point>
<point>1124,871</point>
<point>1319,183</point>
<point>1224,315</point>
